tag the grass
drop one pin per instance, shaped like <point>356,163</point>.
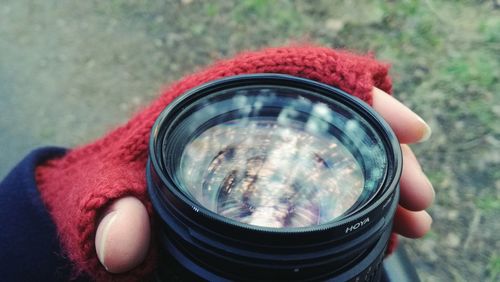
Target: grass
<point>494,268</point>
<point>490,204</point>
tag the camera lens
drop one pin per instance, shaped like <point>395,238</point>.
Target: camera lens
<point>273,177</point>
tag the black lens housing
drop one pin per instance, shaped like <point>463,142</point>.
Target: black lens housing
<point>212,247</point>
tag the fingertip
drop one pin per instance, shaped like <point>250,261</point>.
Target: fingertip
<point>412,224</point>
<point>123,236</point>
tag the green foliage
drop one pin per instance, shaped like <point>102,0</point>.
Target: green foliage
<point>431,235</point>
<point>278,16</point>
<point>494,267</point>
<point>259,7</point>
<point>490,30</point>
<point>488,204</point>
<point>472,68</point>
<point>212,9</point>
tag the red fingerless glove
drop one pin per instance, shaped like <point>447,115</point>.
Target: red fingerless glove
<point>78,187</point>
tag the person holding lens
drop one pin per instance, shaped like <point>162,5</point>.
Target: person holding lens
<point>84,213</point>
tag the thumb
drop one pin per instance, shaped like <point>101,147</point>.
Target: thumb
<point>123,235</point>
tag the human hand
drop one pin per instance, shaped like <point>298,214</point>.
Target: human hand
<point>90,191</point>
<point>416,191</point>
<point>123,233</point>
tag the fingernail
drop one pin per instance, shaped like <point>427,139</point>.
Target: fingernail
<point>429,219</point>
<point>432,187</point>
<point>427,131</point>
<point>101,242</point>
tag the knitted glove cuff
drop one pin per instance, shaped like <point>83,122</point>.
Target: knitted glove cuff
<point>81,184</point>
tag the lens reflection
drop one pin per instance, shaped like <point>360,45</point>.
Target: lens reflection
<point>268,173</point>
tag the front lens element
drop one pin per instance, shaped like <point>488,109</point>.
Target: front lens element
<point>267,174</point>
<point>276,157</point>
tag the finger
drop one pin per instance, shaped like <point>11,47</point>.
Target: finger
<point>408,126</point>
<point>416,190</point>
<point>123,235</point>
<point>411,224</point>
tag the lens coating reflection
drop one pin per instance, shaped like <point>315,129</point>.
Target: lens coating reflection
<point>275,158</point>
<point>271,175</point>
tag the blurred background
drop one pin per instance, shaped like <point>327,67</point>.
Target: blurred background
<point>72,70</point>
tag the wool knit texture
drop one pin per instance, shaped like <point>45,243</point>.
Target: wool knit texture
<point>77,187</point>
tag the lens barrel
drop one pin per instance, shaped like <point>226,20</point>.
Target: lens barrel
<point>314,232</point>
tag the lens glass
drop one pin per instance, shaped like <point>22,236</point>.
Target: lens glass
<point>276,156</point>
